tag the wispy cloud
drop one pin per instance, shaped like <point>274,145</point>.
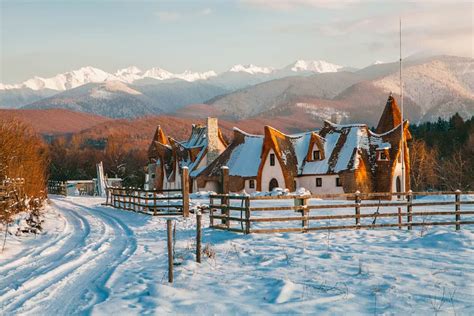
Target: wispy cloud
<point>172,16</point>
<point>206,11</point>
<point>291,4</point>
<point>168,16</point>
<point>434,26</point>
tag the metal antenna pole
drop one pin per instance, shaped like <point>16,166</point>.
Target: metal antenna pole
<point>402,145</point>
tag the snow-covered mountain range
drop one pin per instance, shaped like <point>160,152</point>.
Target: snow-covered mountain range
<point>433,87</point>
<point>85,75</point>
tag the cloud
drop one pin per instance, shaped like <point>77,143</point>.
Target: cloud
<point>292,4</point>
<point>168,16</point>
<point>440,27</point>
<point>172,16</point>
<point>206,11</point>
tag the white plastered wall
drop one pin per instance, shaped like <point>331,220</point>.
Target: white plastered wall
<point>269,172</point>
<point>328,184</point>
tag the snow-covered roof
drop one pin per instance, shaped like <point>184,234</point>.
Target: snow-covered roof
<point>242,156</point>
<point>245,158</point>
<point>343,145</point>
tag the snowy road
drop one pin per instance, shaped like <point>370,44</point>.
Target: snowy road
<point>97,260</point>
<point>71,267</point>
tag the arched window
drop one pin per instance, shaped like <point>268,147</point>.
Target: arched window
<point>399,184</point>
<point>273,184</point>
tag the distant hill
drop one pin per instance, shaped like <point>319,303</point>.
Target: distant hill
<point>54,121</point>
<point>116,99</point>
<point>435,86</point>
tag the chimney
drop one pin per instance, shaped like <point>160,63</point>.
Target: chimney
<point>212,139</point>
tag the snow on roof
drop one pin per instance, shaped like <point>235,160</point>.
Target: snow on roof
<point>245,158</point>
<point>342,147</point>
<point>300,144</point>
<point>383,146</point>
<point>322,166</point>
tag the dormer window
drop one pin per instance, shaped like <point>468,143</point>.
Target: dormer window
<point>272,159</point>
<point>316,155</point>
<point>382,155</point>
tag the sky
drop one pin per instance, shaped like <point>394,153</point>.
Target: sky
<point>43,38</point>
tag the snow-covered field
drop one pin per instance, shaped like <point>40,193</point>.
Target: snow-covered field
<point>99,260</point>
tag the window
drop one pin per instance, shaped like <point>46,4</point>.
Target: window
<point>319,182</point>
<point>316,155</point>
<point>252,184</point>
<point>338,182</point>
<point>272,159</point>
<point>153,176</point>
<point>383,156</point>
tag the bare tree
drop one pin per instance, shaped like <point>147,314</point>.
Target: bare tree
<point>423,162</point>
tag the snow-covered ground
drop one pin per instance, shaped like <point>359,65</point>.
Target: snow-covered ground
<point>99,260</point>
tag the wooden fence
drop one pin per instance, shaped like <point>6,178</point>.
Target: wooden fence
<point>56,187</point>
<point>246,214</point>
<point>152,202</point>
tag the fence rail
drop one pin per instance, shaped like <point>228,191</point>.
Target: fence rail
<point>246,214</point>
<point>56,187</point>
<point>164,202</point>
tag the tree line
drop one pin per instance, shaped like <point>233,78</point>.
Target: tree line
<point>442,155</point>
<point>75,158</point>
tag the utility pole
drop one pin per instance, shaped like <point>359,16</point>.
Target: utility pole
<point>402,143</point>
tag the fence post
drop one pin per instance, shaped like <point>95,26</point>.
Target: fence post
<point>154,202</point>
<point>409,208</point>
<point>170,251</point>
<point>399,218</point>
<point>185,190</point>
<point>304,212</point>
<point>458,209</point>
<point>225,190</point>
<point>198,236</point>
<point>211,211</point>
<point>357,207</point>
<point>247,215</point>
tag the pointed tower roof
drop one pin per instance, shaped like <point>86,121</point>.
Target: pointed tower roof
<point>160,136</point>
<point>391,116</point>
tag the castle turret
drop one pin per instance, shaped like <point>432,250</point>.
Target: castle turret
<point>391,116</point>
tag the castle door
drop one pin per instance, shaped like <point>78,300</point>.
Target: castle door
<point>273,184</point>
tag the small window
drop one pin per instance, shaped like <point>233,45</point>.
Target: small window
<point>316,155</point>
<point>153,176</point>
<point>338,182</point>
<point>272,159</point>
<point>319,182</point>
<point>383,156</point>
<point>252,184</point>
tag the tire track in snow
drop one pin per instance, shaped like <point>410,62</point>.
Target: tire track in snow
<point>34,263</point>
<point>76,280</point>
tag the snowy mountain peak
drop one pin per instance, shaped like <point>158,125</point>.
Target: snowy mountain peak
<point>129,70</point>
<point>318,66</point>
<point>129,74</point>
<point>158,73</point>
<point>193,76</point>
<point>64,81</point>
<point>251,69</point>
